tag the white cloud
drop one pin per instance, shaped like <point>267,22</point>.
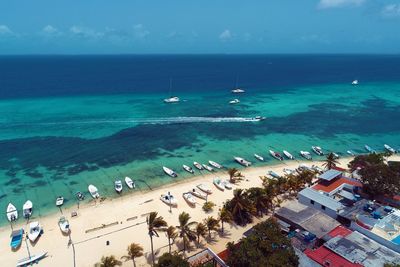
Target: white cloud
<point>392,10</point>
<point>225,35</point>
<point>5,30</point>
<point>85,32</point>
<point>140,31</point>
<point>48,29</point>
<point>323,4</point>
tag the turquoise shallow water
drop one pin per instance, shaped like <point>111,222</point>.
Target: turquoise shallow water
<point>57,146</point>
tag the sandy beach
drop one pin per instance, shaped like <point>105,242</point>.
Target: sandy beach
<point>125,221</point>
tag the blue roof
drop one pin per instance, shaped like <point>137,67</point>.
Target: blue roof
<point>330,174</point>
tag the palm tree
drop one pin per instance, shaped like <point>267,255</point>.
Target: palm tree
<point>185,231</point>
<point>240,207</point>
<point>134,251</point>
<point>232,174</point>
<point>259,198</point>
<point>225,216</point>
<point>154,223</point>
<point>109,261</point>
<point>171,235</point>
<point>330,161</point>
<point>212,224</point>
<point>200,230</point>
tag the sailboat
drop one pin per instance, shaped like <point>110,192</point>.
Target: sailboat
<point>171,99</point>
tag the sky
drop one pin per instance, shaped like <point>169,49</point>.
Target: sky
<point>197,27</point>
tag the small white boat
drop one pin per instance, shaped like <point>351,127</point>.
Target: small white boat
<point>389,148</point>
<point>64,225</point>
<point>288,171</point>
<point>215,164</point>
<point>226,184</point>
<point>198,165</point>
<point>258,157</point>
<point>208,168</point>
<point>169,172</point>
<point>188,169</point>
<point>237,91</point>
<point>317,150</point>
<point>198,193</point>
<point>169,199</point>
<point>218,183</point>
<point>369,149</point>
<point>335,155</point>
<point>273,174</point>
<point>355,82</point>
<point>93,191</point>
<point>80,196</point>
<point>172,99</point>
<point>234,101</point>
<point>276,155</point>
<point>118,186</point>
<point>189,198</point>
<point>27,209</point>
<point>31,260</point>
<point>303,167</point>
<point>204,188</point>
<point>130,183</point>
<point>288,155</point>
<point>317,169</point>
<point>242,161</point>
<point>306,155</point>
<point>351,153</point>
<point>12,213</point>
<point>59,201</point>
<point>35,231</point>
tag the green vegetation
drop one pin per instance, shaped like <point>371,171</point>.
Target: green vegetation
<point>211,224</point>
<point>208,206</point>
<point>185,231</point>
<point>171,235</point>
<point>134,251</point>
<point>155,223</point>
<point>109,261</point>
<point>330,161</point>
<point>171,260</point>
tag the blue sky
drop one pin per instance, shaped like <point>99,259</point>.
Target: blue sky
<point>207,26</point>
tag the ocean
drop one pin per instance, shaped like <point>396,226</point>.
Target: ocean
<point>70,121</point>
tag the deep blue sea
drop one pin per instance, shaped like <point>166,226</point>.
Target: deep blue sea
<point>70,121</point>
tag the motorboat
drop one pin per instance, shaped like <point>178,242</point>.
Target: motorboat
<point>218,183</point>
<point>80,196</point>
<point>389,148</point>
<point>276,155</point>
<point>169,172</point>
<point>198,165</point>
<point>351,153</point>
<point>288,155</point>
<point>208,168</point>
<point>59,201</point>
<point>288,171</point>
<point>93,191</point>
<point>129,182</point>
<point>273,174</point>
<point>369,149</point>
<point>198,193</point>
<point>259,118</point>
<point>258,157</point>
<point>317,150</point>
<point>118,186</point>
<point>234,101</point>
<point>237,91</point>
<point>204,188</point>
<point>16,238</point>
<point>227,184</point>
<point>12,213</point>
<point>215,164</point>
<point>355,82</point>
<point>31,260</point>
<point>35,230</point>
<point>188,169</point>
<point>172,99</point>
<point>169,199</point>
<point>242,161</point>
<point>27,209</point>
<point>189,198</point>
<point>63,223</point>
<point>306,155</point>
<point>335,155</point>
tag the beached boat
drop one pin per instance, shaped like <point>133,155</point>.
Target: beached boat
<point>389,148</point>
<point>303,167</point>
<point>317,169</point>
<point>276,155</point>
<point>369,149</point>
<point>16,238</point>
<point>31,260</point>
<point>188,169</point>
<point>172,99</point>
<point>198,165</point>
<point>242,161</point>
<point>93,191</point>
<point>351,153</point>
<point>198,193</point>
<point>27,209</point>
<point>234,101</point>
<point>215,164</point>
<point>288,171</point>
<point>63,223</point>
<point>355,82</point>
<point>218,183</point>
<point>169,172</point>
<point>59,201</point>
<point>208,168</point>
<point>35,230</point>
<point>129,182</point>
<point>237,91</point>
<point>226,184</point>
<point>12,213</point>
<point>273,174</point>
<point>204,188</point>
<point>258,157</point>
<point>80,196</point>
<point>118,186</point>
<point>317,150</point>
<point>288,155</point>
<point>306,155</point>
<point>169,199</point>
<point>189,198</point>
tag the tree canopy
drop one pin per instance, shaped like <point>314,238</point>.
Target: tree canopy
<point>171,260</point>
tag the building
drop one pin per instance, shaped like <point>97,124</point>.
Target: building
<point>206,257</point>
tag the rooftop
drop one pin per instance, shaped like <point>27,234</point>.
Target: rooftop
<point>329,186</point>
<point>326,257</point>
<point>330,174</point>
<point>339,231</point>
<point>321,198</point>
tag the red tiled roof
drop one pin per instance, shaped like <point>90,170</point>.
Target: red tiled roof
<point>339,231</point>
<point>328,187</point>
<point>225,253</point>
<point>326,257</point>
